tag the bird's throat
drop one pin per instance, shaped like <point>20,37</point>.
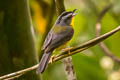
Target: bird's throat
<point>72,22</point>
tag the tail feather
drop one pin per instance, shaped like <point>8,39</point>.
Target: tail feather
<point>44,62</point>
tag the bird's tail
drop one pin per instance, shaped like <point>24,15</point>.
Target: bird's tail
<point>44,62</point>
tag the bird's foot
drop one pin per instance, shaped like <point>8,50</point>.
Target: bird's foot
<point>51,59</point>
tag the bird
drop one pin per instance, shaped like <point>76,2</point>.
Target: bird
<point>60,34</point>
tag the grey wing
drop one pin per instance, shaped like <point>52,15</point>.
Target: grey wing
<point>47,40</point>
<point>60,38</point>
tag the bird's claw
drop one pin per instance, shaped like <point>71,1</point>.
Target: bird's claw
<point>51,59</point>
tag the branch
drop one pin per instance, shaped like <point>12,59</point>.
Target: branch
<point>14,77</point>
<point>102,13</point>
<point>98,29</point>
<point>74,50</point>
<point>21,72</point>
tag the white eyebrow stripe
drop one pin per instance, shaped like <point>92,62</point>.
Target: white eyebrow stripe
<point>62,16</point>
<point>68,15</point>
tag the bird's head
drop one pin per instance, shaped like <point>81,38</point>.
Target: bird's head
<point>66,18</point>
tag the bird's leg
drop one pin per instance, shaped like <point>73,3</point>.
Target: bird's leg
<point>51,58</point>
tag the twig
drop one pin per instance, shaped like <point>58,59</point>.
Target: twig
<point>74,50</point>
<point>103,12</point>
<point>108,53</point>
<point>18,72</point>
<point>98,29</point>
<point>100,16</point>
<point>14,77</point>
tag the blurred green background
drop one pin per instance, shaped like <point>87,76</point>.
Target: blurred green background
<point>91,64</point>
<point>18,50</point>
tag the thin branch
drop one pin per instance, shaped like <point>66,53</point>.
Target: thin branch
<point>103,12</point>
<point>18,73</point>
<point>98,29</point>
<point>74,50</point>
<point>100,16</point>
<point>109,53</point>
<point>14,77</point>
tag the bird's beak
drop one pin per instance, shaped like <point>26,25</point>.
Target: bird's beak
<point>73,12</point>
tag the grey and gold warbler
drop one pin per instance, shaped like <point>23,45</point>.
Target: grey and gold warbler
<point>59,35</point>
